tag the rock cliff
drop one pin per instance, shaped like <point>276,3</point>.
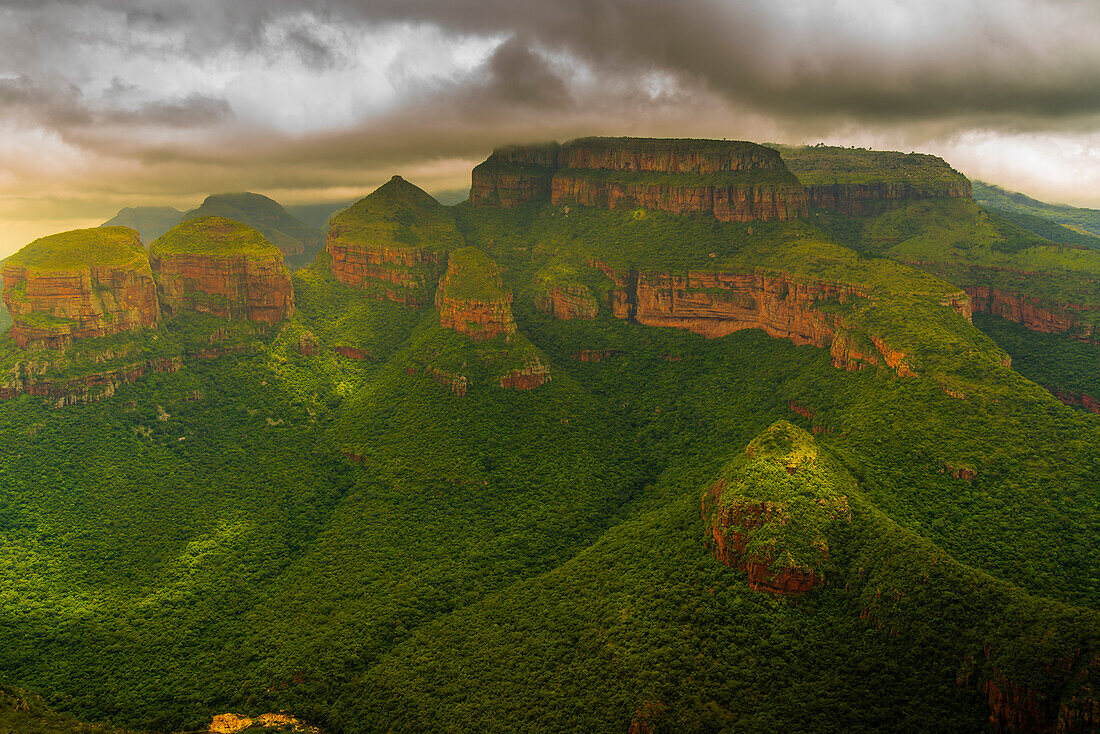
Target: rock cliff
<point>393,243</point>
<point>715,304</point>
<point>222,267</point>
<point>857,182</point>
<point>471,297</point>
<point>1030,311</point>
<point>732,181</point>
<point>771,511</point>
<point>79,284</point>
<point>32,378</point>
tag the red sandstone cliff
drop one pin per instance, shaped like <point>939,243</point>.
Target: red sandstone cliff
<point>733,181</point>
<point>402,273</point>
<point>237,286</point>
<point>28,378</point>
<point>77,304</point>
<point>1031,312</point>
<point>717,304</point>
<point>471,298</point>
<point>565,302</point>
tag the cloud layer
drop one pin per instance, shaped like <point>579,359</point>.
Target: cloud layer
<point>117,102</point>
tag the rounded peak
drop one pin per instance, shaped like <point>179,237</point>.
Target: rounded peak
<point>215,236</point>
<point>82,248</point>
<point>784,442</point>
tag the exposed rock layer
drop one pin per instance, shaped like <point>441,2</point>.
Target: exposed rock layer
<point>233,287</point>
<point>732,181</point>
<point>1030,312</point>
<point>856,199</point>
<point>480,312</point>
<point>74,298</point>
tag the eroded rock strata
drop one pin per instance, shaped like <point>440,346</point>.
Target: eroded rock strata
<point>218,266</point>
<point>471,297</point>
<point>716,304</point>
<point>78,285</point>
<point>732,181</point>
<point>1031,312</point>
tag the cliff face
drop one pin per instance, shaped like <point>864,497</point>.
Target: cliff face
<point>731,181</point>
<point>858,182</point>
<point>403,274</point>
<point>1030,312</point>
<point>222,267</point>
<point>567,301</point>
<point>1017,709</point>
<point>859,199</point>
<point>393,242</point>
<point>56,291</point>
<point>717,304</point>
<point>471,298</point>
<point>514,175</point>
<point>235,287</point>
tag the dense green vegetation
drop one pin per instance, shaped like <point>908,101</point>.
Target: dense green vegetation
<point>1084,221</point>
<point>396,215</point>
<point>1064,365</point>
<point>816,165</point>
<point>298,241</point>
<point>81,248</point>
<point>215,237</point>
<point>355,542</point>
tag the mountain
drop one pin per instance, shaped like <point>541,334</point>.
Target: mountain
<point>298,241</point>
<point>645,436</point>
<point>150,221</point>
<point>1085,222</point>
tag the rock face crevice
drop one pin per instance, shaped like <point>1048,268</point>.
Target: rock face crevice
<point>732,181</point>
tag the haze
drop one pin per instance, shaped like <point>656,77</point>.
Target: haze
<point>111,104</point>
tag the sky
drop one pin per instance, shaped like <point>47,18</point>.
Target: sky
<point>113,103</point>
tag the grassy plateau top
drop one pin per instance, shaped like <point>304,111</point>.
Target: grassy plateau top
<point>816,165</point>
<point>83,248</point>
<point>216,237</point>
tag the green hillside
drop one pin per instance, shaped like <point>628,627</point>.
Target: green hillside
<point>822,165</point>
<point>396,215</point>
<point>298,241</point>
<point>150,221</point>
<point>1083,221</point>
<point>355,517</point>
<point>80,249</point>
<point>213,236</point>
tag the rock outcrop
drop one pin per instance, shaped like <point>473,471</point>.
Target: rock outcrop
<point>514,175</point>
<point>732,181</point>
<point>715,304</point>
<point>79,284</point>
<point>1031,312</point>
<point>566,301</point>
<point>533,373</point>
<point>222,267</point>
<point>32,378</point>
<point>471,297</point>
<point>770,511</point>
<point>393,243</point>
<point>858,182</point>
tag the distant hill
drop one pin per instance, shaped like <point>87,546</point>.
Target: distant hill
<point>150,221</point>
<point>317,215</point>
<point>1023,211</point>
<point>298,241</point>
